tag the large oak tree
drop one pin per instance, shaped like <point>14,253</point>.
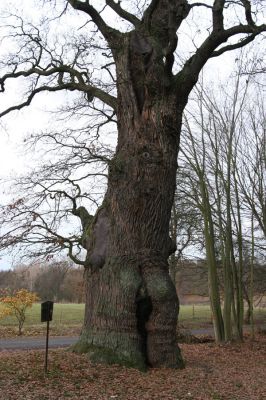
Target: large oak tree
<point>132,306</point>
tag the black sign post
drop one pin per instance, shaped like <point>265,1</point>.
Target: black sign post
<point>47,316</point>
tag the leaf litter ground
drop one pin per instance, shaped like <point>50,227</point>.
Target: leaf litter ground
<point>225,372</point>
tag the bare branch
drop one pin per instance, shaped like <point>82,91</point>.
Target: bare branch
<point>247,6</point>
<point>217,15</point>
<point>198,4</point>
<point>67,86</point>
<point>107,32</point>
<point>207,50</point>
<point>243,42</point>
<point>123,13</point>
<point>239,29</point>
<point>79,85</point>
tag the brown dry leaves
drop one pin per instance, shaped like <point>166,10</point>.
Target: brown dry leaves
<point>229,372</point>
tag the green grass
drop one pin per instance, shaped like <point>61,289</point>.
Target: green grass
<point>74,313</point>
<point>195,315</point>
<point>63,314</point>
<point>70,316</point>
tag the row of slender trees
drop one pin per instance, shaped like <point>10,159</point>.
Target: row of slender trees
<point>222,193</point>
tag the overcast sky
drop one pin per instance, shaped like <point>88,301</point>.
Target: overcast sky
<point>16,126</point>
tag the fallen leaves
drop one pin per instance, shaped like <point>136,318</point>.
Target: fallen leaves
<point>229,372</point>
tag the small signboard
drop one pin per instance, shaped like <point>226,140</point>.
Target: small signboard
<point>47,316</point>
<point>47,311</point>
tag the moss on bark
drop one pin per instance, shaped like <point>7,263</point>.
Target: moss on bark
<point>104,355</point>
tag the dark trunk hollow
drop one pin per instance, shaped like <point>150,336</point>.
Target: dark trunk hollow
<point>143,311</point>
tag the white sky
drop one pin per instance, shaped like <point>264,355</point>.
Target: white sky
<point>14,127</point>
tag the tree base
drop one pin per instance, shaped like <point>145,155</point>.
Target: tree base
<point>104,355</point>
<point>131,314</point>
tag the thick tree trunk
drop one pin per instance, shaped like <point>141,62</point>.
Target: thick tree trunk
<point>132,306</point>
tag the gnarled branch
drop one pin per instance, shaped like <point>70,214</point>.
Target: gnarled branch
<point>79,85</point>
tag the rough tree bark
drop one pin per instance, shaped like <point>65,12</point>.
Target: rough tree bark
<point>133,318</point>
<point>134,313</point>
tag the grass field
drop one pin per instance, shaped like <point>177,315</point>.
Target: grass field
<point>68,318</point>
<point>63,314</point>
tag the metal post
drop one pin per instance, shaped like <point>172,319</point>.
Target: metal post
<point>47,316</point>
<point>46,351</point>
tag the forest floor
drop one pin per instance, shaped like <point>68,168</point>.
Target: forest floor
<point>213,372</point>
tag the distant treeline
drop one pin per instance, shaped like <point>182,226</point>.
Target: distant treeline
<point>192,281</point>
<point>57,281</point>
<point>64,282</point>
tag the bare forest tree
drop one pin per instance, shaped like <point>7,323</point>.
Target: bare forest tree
<point>185,227</point>
<point>137,78</point>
